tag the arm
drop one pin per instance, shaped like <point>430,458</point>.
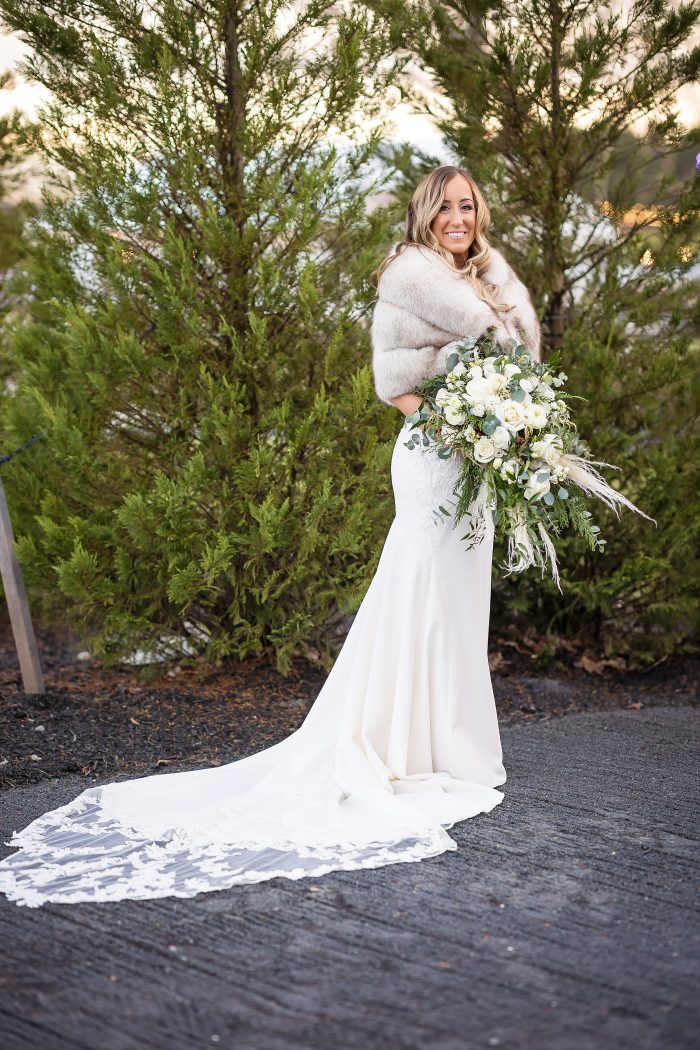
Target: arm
<point>405,351</point>
<point>406,403</point>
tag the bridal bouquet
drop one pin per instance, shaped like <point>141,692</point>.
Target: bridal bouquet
<point>509,417</point>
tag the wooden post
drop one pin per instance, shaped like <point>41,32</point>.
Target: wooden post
<point>12,581</point>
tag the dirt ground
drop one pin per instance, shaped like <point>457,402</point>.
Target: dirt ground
<point>102,723</point>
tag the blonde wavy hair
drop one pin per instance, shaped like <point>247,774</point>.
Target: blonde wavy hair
<point>424,205</point>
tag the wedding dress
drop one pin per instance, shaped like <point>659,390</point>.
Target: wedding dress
<point>400,744</point>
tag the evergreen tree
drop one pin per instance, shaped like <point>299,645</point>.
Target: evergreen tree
<point>15,154</point>
<point>195,346</point>
<point>565,113</point>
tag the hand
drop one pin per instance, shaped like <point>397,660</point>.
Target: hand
<point>407,403</point>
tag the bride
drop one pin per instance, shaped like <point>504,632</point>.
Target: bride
<point>402,741</point>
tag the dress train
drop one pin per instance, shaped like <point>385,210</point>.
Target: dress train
<point>401,743</point>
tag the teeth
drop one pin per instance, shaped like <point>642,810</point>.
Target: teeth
<point>455,235</point>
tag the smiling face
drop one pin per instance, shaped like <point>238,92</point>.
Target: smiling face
<point>455,222</point>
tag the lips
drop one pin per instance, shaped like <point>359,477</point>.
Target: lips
<point>455,236</point>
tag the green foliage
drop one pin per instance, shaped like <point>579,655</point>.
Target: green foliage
<point>15,209</point>
<point>194,347</point>
<point>634,353</point>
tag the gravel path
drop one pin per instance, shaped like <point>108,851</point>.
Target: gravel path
<point>567,920</point>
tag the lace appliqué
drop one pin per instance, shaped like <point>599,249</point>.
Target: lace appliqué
<point>77,854</point>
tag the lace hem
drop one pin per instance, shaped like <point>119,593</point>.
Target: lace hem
<point>87,858</point>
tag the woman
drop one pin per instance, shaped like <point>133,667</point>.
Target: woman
<point>402,741</point>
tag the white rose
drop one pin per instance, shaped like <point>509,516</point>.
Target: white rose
<point>459,369</point>
<point>498,384</point>
<point>479,409</point>
<point>510,370</point>
<point>527,385</point>
<point>497,462</point>
<point>536,489</point>
<point>475,371</point>
<point>443,396</point>
<point>478,389</point>
<point>511,415</point>
<point>536,416</point>
<point>454,412</point>
<point>484,450</point>
<point>509,469</point>
<point>501,437</point>
<point>546,392</point>
<point>548,449</point>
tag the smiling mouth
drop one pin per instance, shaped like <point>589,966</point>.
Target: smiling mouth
<point>456,236</point>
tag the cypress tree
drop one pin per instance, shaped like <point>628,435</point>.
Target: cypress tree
<point>15,208</point>
<point>194,344</point>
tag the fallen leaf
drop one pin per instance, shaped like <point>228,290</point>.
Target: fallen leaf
<point>587,663</point>
<point>496,661</point>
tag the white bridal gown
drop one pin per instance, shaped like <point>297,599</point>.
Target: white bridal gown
<point>400,744</point>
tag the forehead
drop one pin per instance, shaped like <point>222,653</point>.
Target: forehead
<point>457,189</point>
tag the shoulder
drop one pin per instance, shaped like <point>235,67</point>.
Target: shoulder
<point>412,262</point>
<point>499,270</point>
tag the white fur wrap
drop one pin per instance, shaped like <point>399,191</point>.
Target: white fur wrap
<point>423,308</point>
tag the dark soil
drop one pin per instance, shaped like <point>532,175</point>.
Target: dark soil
<point>106,723</point>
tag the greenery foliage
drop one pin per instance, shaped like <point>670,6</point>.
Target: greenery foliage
<point>15,208</point>
<point>194,344</point>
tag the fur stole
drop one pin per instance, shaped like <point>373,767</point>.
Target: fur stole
<point>423,308</point>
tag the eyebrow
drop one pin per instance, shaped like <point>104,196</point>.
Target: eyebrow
<point>446,201</point>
